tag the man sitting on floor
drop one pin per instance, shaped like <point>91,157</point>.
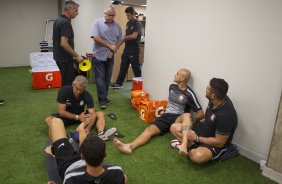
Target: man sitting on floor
<point>71,103</point>
<point>84,167</point>
<point>181,99</point>
<point>210,138</point>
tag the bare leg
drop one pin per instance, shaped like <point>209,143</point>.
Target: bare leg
<point>142,139</point>
<point>81,132</point>
<point>48,121</point>
<point>56,131</point>
<point>176,130</point>
<point>200,155</point>
<point>101,122</point>
<point>186,125</point>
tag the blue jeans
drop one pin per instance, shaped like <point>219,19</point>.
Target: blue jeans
<point>103,74</point>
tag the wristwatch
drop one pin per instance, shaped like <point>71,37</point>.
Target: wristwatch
<point>76,117</point>
<point>197,139</point>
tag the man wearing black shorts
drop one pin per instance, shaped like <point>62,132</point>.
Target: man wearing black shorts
<point>209,139</point>
<point>181,99</point>
<point>85,167</point>
<point>71,103</point>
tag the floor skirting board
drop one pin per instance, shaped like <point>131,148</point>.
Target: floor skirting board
<point>269,173</point>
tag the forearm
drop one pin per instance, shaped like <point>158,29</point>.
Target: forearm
<point>69,50</point>
<point>102,42</point>
<point>119,43</point>
<point>68,115</point>
<point>132,36</point>
<point>211,141</point>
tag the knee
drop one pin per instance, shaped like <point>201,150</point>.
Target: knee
<point>173,128</point>
<point>197,157</point>
<point>48,120</point>
<point>100,115</point>
<point>55,122</point>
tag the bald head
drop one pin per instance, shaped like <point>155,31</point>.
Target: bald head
<point>185,73</point>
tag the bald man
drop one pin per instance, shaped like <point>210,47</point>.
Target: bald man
<point>181,99</point>
<point>107,37</point>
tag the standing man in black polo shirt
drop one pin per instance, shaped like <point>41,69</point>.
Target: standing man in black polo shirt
<point>208,139</point>
<point>63,43</point>
<point>71,103</point>
<point>131,50</point>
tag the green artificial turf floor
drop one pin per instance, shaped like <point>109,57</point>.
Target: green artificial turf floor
<point>23,135</point>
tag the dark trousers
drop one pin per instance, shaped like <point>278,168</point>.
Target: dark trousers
<point>103,74</point>
<point>67,72</point>
<point>126,60</point>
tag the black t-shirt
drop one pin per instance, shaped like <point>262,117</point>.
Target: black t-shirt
<point>221,120</point>
<point>74,106</point>
<point>132,46</point>
<point>62,27</point>
<point>112,175</point>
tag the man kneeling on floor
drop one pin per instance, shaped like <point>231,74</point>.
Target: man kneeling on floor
<point>84,167</point>
<point>210,138</point>
<point>71,102</point>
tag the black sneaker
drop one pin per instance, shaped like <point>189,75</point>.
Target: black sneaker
<point>103,106</point>
<point>2,102</point>
<point>108,102</point>
<point>116,86</point>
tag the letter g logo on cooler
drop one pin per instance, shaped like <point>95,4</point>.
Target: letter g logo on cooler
<point>49,76</point>
<point>142,114</point>
<point>159,111</point>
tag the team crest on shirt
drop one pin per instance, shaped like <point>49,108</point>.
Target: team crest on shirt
<point>181,98</point>
<point>81,103</point>
<point>212,117</point>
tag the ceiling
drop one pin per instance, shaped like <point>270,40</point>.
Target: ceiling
<point>135,2</point>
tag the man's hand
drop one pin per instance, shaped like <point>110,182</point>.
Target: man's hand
<point>79,59</point>
<point>83,117</point>
<point>113,48</point>
<point>191,135</point>
<point>111,54</point>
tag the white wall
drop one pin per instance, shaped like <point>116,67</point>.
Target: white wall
<point>239,41</point>
<point>22,28</point>
<point>89,10</point>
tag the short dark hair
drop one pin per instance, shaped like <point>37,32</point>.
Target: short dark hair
<point>93,149</point>
<point>70,5</point>
<point>130,10</point>
<point>219,87</point>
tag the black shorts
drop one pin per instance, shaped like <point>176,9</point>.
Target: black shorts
<point>67,122</point>
<point>216,152</point>
<point>65,155</point>
<point>165,121</point>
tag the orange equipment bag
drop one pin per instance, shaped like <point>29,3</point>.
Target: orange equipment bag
<point>148,111</point>
<point>137,96</point>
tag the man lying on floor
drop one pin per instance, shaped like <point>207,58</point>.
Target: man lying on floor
<point>71,103</point>
<point>84,167</point>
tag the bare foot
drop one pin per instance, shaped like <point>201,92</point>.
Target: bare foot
<point>51,182</point>
<point>124,148</point>
<point>183,150</point>
<point>49,151</point>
